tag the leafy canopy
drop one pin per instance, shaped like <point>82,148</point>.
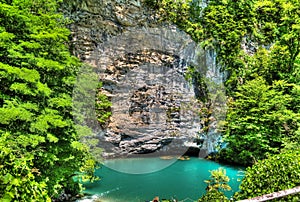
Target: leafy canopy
<point>39,147</point>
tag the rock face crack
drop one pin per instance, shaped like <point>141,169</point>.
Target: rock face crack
<point>151,103</point>
<point>141,64</point>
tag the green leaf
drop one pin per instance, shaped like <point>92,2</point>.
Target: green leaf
<point>52,138</point>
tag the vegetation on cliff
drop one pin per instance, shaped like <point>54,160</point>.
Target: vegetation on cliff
<point>257,44</point>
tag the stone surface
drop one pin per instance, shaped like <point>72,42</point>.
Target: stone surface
<point>96,21</point>
<point>152,102</point>
<point>142,64</point>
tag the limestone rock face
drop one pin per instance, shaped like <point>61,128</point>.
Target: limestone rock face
<point>154,108</point>
<point>142,65</point>
<point>95,21</point>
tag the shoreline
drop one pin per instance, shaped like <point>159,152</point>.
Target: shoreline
<point>190,151</point>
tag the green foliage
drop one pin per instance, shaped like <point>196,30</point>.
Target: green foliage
<point>17,172</point>
<point>276,173</point>
<point>213,195</point>
<point>39,144</point>
<point>209,94</point>
<point>103,106</point>
<point>218,182</point>
<point>91,109</point>
<point>184,13</point>
<point>257,44</point>
<point>195,77</point>
<point>226,25</point>
<point>91,105</point>
<point>259,121</point>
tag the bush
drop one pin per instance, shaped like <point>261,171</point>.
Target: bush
<point>218,182</point>
<point>276,173</point>
<point>213,195</point>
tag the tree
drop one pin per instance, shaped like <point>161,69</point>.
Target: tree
<point>218,182</point>
<point>40,152</point>
<point>259,121</point>
<point>276,173</point>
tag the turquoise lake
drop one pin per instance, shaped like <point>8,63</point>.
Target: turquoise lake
<point>164,178</point>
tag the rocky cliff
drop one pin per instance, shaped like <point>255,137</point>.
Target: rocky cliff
<point>142,64</point>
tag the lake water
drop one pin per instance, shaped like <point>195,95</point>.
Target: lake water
<point>156,177</point>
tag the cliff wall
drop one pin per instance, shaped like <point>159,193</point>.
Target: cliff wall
<point>142,64</point>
